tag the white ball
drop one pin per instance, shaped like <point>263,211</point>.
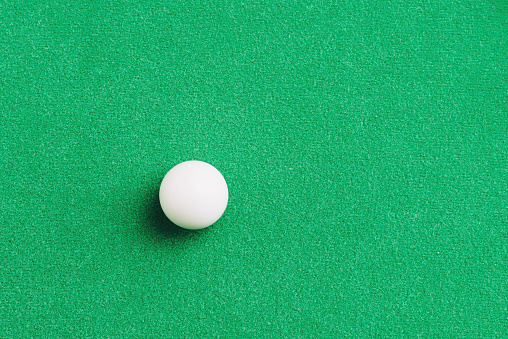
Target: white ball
<point>193,195</point>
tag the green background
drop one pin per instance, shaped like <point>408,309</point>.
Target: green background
<point>364,144</point>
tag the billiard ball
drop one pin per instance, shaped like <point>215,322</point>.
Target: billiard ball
<point>193,194</point>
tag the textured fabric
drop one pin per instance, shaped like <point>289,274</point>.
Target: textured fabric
<point>364,144</point>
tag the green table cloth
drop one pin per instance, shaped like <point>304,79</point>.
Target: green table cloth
<point>364,144</point>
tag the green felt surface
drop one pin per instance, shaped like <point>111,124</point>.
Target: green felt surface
<point>364,144</point>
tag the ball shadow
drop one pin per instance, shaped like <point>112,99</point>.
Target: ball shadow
<point>160,227</point>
